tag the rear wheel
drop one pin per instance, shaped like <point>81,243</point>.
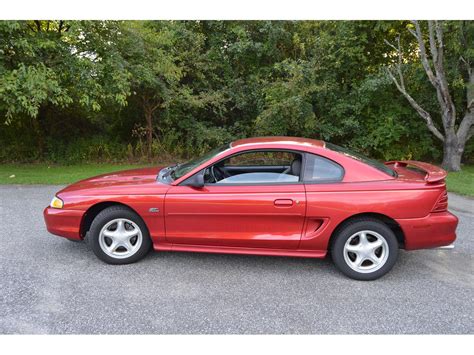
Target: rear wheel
<point>119,236</point>
<point>365,249</point>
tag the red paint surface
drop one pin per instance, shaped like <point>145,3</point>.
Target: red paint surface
<point>294,220</point>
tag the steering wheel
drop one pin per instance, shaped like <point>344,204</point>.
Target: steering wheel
<point>213,174</point>
<point>218,174</point>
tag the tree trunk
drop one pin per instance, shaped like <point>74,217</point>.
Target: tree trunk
<point>39,125</point>
<point>452,154</point>
<point>39,137</point>
<point>149,131</point>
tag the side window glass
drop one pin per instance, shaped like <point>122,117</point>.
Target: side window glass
<point>319,169</point>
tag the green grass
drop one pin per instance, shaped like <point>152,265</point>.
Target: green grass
<point>55,174</point>
<point>462,182</point>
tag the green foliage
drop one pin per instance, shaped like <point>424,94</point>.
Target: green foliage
<point>27,88</point>
<point>74,91</point>
<point>91,149</point>
<point>288,109</point>
<point>43,65</point>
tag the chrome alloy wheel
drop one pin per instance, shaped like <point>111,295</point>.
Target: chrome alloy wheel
<point>366,251</point>
<point>120,238</point>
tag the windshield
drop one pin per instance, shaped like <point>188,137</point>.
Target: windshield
<point>182,169</point>
<point>362,158</point>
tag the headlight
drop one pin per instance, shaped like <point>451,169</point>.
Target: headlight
<point>56,202</point>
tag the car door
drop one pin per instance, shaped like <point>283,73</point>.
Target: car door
<point>236,215</point>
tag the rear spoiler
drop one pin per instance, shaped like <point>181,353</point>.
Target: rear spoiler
<point>433,173</point>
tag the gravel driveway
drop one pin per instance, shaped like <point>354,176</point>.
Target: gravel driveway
<point>51,285</point>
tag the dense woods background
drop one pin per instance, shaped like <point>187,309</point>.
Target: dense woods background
<point>76,91</point>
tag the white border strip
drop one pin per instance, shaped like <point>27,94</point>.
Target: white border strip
<point>238,9</point>
<point>209,345</point>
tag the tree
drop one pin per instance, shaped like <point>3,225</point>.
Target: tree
<point>54,65</point>
<point>147,48</point>
<point>457,128</point>
<point>73,91</point>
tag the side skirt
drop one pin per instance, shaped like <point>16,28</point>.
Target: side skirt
<point>239,250</point>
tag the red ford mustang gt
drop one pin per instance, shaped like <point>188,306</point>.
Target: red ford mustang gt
<point>268,196</point>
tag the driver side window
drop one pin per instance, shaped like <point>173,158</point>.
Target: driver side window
<point>256,167</point>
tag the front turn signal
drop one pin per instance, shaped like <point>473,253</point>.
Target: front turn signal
<point>56,202</point>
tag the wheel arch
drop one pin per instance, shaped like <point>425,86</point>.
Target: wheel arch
<point>94,210</point>
<point>388,221</point>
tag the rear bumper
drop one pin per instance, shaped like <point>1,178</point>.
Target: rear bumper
<point>434,230</point>
<point>62,222</point>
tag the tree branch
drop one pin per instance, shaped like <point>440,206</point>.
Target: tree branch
<point>470,92</point>
<point>424,58</point>
<point>438,80</point>
<point>422,112</point>
<point>433,47</point>
<point>155,107</point>
<point>470,134</point>
<point>31,27</point>
<point>464,43</point>
<point>400,84</point>
<point>466,127</point>
<point>450,115</point>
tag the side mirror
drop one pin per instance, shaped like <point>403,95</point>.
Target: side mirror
<point>197,180</point>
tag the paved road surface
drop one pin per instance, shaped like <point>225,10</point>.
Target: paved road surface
<point>50,285</point>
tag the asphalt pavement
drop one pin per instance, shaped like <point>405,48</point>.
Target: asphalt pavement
<point>51,285</point>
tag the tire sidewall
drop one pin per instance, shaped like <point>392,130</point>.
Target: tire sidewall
<point>337,250</point>
<point>104,217</point>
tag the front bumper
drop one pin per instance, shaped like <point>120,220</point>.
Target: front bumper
<point>434,230</point>
<point>62,222</point>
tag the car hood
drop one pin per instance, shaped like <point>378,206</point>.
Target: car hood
<point>127,181</point>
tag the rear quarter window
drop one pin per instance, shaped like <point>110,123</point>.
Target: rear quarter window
<point>322,170</point>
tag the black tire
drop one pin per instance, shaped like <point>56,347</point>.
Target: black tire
<point>352,227</point>
<point>105,217</point>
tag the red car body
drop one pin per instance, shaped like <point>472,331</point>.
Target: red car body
<point>292,219</point>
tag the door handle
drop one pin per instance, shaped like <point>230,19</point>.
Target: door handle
<point>283,202</point>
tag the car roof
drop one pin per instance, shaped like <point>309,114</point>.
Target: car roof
<point>278,140</point>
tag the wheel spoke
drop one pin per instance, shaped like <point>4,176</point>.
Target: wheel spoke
<point>110,234</point>
<point>113,247</point>
<point>374,258</point>
<point>359,260</point>
<point>130,234</point>
<point>120,226</point>
<point>363,238</point>
<point>353,248</point>
<point>375,245</point>
<point>128,245</point>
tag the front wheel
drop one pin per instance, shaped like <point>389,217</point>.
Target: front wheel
<point>365,249</point>
<point>119,236</point>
